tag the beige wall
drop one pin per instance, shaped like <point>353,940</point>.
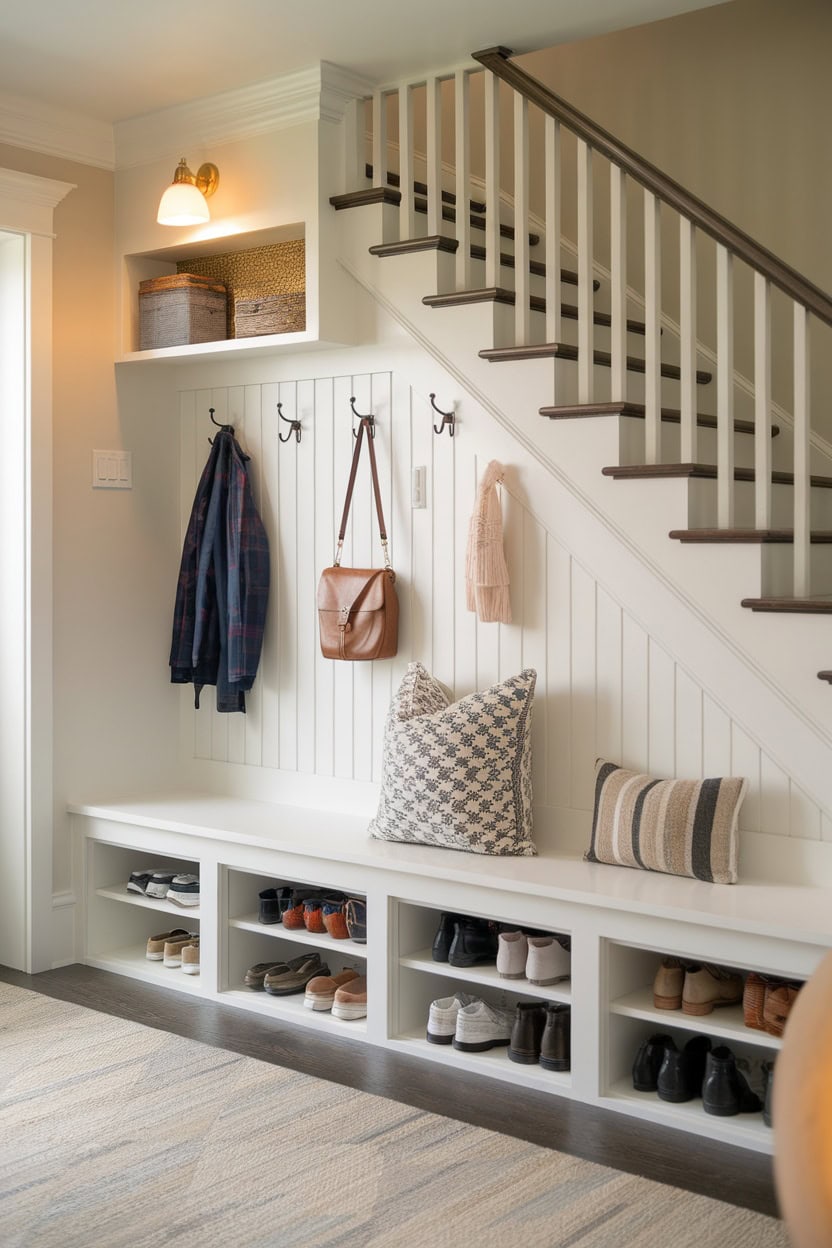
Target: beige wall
<point>113,556</point>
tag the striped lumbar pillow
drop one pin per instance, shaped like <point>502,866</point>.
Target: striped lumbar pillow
<point>680,827</point>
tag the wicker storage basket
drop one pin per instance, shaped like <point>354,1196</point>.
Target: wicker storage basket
<point>274,314</point>
<point>180,309</point>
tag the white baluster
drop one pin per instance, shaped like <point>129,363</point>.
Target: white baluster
<point>463,178</point>
<point>522,314</point>
<point>618,283</point>
<point>552,178</point>
<point>653,330</point>
<point>802,479</point>
<point>586,337</point>
<point>492,180</point>
<point>354,174</point>
<point>687,341</point>
<point>725,387</point>
<point>407,209</point>
<point>379,138</point>
<point>762,402</point>
<point>433,120</point>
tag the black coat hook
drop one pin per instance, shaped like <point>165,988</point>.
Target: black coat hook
<point>294,426</point>
<point>370,420</point>
<point>448,418</point>
<point>224,428</point>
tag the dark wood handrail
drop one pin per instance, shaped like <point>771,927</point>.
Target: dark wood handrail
<point>663,187</point>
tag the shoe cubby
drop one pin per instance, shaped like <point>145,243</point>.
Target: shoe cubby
<point>243,890</point>
<point>417,927</point>
<point>246,948</point>
<point>119,922</point>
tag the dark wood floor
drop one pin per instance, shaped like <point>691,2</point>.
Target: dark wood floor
<point>718,1170</point>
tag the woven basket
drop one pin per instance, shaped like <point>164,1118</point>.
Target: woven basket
<point>753,1001</point>
<point>179,310</point>
<point>253,275</point>
<point>276,314</point>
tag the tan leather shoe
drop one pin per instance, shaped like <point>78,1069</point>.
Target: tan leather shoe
<point>708,986</point>
<point>667,986</point>
<point>351,1000</point>
<point>190,959</point>
<point>172,955</point>
<point>320,991</point>
<point>778,1003</point>
<point>156,944</point>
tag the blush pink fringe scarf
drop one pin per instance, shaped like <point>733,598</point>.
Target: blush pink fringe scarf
<point>486,574</point>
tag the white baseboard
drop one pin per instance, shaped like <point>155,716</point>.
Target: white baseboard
<point>63,929</point>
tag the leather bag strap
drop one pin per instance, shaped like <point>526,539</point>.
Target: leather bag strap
<point>356,455</point>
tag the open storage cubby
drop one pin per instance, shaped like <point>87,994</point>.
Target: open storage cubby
<point>633,1018</point>
<point>422,980</point>
<point>249,941</point>
<point>119,922</point>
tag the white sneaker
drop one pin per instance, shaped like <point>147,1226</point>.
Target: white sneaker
<point>511,955</point>
<point>482,1026</point>
<point>442,1017</point>
<point>547,961</point>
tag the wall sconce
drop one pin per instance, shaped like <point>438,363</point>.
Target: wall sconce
<point>183,203</point>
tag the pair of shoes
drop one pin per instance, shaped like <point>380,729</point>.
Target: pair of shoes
<point>539,959</point>
<point>184,890</point>
<point>273,901</point>
<point>767,1003</point>
<point>175,948</point>
<point>335,914</point>
<point>541,1034</point>
<point>463,941</point>
<point>282,979</point>
<point>345,995</point>
<point>695,988</point>
<point>150,882</point>
<point>680,1075</point>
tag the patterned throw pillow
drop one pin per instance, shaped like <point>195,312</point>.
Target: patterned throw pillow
<point>458,775</point>
<point>680,827</point>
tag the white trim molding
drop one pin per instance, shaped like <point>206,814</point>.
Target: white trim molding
<point>55,132</point>
<point>319,92</point>
<point>27,201</point>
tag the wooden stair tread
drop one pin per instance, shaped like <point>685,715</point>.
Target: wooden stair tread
<point>448,197</point>
<point>706,471</point>
<point>476,223</point>
<point>566,351</point>
<point>442,242</point>
<point>670,414</point>
<point>794,606</point>
<point>501,294</point>
<point>747,536</point>
<point>827,676</point>
<point>369,195</point>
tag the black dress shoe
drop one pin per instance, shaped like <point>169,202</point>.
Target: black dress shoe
<point>556,1041</point>
<point>475,941</point>
<point>444,936</point>
<point>527,1032</point>
<point>682,1071</point>
<point>648,1063</point>
<point>725,1091</point>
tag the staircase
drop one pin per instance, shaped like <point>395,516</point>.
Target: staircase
<point>604,347</point>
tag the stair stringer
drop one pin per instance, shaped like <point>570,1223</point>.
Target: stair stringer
<point>745,661</point>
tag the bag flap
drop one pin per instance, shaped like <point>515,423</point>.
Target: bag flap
<point>353,588</point>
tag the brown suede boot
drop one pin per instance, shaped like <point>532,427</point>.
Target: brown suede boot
<point>667,986</point>
<point>707,986</point>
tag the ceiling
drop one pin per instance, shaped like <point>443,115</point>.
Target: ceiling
<point>114,59</point>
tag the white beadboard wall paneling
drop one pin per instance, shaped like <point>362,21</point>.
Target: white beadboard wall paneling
<point>584,676</point>
<point>530,604</point>
<point>559,692</point>
<point>272,640</point>
<point>253,425</point>
<point>605,686</point>
<point>326,524</point>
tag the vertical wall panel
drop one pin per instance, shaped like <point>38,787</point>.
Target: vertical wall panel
<point>465,635</point>
<point>287,621</point>
<point>634,695</point>
<point>326,525</point>
<point>304,456</point>
<point>511,635</point>
<point>219,722</point>
<point>609,683</point>
<point>716,739</point>
<point>367,554</point>
<point>745,761</point>
<point>559,663</point>
<point>236,724</point>
<point>661,700</point>
<point>804,818</point>
<point>252,401</point>
<point>203,430</point>
<point>381,673</point>
<point>688,729</point>
<point>530,610</point>
<point>272,641</point>
<point>444,552</point>
<point>583,687</point>
<point>775,812</point>
<point>342,673</point>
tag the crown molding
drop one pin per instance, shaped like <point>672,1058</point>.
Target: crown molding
<point>27,188</point>
<point>52,131</point>
<point>321,91</point>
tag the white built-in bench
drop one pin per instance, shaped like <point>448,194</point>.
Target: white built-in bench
<point>621,921</point>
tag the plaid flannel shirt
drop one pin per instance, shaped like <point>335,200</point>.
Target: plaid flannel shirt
<point>223,585</point>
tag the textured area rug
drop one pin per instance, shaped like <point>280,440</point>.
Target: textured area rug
<point>113,1134</point>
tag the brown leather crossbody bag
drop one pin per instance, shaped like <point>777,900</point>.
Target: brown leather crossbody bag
<point>358,610</point>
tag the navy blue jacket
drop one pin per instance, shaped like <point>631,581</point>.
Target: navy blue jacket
<point>223,585</point>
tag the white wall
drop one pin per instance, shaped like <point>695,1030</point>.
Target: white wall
<point>314,727</point>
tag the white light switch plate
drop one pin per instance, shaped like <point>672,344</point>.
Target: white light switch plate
<point>112,470</point>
